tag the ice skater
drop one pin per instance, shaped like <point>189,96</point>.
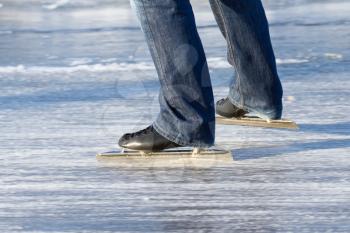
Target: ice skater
<point>187,114</point>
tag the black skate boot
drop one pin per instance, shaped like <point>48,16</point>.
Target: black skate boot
<point>148,140</point>
<point>226,109</point>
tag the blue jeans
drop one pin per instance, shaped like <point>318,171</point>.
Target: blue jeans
<point>187,114</point>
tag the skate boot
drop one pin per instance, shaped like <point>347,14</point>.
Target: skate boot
<point>147,140</point>
<point>226,109</point>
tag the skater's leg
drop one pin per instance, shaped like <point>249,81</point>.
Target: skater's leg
<point>257,87</point>
<point>186,100</point>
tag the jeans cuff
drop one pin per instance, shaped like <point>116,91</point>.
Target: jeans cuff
<point>267,115</point>
<point>178,139</point>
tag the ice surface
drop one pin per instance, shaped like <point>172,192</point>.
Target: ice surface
<point>76,75</point>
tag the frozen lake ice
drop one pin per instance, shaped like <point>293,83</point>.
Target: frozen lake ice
<point>76,75</point>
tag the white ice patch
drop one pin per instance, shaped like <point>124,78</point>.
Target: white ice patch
<point>56,5</point>
<point>80,61</point>
<point>109,60</point>
<point>78,68</point>
<point>334,56</point>
<point>218,62</point>
<point>81,65</point>
<point>221,62</point>
<point>291,61</point>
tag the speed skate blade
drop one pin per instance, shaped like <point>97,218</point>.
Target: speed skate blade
<point>167,158</point>
<point>257,122</point>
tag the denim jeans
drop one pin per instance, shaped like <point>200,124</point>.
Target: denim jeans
<point>187,114</point>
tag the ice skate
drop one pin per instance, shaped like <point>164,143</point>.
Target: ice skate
<point>229,114</point>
